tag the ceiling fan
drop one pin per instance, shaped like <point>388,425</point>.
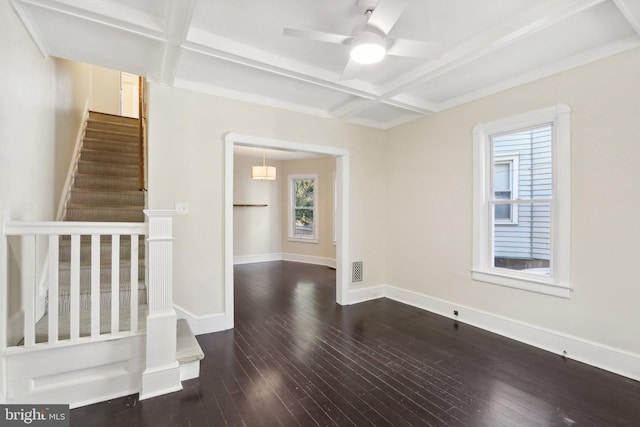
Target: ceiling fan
<point>370,42</point>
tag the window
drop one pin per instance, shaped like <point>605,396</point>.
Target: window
<point>303,218</point>
<point>522,201</point>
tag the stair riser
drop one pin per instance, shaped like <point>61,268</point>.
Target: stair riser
<point>106,183</point>
<point>102,117</point>
<point>108,157</point>
<point>97,168</point>
<point>64,303</point>
<point>113,127</point>
<point>111,136</point>
<point>110,146</point>
<point>64,275</point>
<point>107,198</point>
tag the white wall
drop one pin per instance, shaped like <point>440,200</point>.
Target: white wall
<point>186,163</point>
<point>256,230</point>
<point>40,113</point>
<point>430,204</point>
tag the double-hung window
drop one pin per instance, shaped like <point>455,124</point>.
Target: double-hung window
<point>522,201</point>
<point>303,201</point>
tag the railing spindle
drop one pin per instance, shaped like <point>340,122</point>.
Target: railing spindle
<point>115,283</point>
<point>74,290</point>
<point>133,288</point>
<point>54,268</point>
<point>95,285</point>
<point>29,288</point>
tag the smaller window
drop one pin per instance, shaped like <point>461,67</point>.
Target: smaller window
<point>505,187</point>
<point>303,218</point>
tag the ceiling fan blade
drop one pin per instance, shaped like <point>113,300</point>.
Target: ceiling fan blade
<point>351,71</point>
<point>318,36</point>
<point>414,48</point>
<point>386,14</point>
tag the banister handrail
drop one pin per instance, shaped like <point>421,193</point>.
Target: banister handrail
<point>15,228</point>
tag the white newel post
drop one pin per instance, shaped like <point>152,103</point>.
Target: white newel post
<point>162,372</point>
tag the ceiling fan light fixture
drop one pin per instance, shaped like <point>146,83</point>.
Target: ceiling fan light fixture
<point>368,48</point>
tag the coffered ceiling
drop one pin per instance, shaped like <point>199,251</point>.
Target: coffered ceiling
<point>236,48</point>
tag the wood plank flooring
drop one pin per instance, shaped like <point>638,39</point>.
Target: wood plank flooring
<point>297,358</point>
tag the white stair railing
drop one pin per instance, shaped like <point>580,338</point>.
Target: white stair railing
<point>32,234</point>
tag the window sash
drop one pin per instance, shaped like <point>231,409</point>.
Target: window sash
<point>298,232</point>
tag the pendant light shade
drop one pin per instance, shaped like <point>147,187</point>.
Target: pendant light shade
<point>264,172</point>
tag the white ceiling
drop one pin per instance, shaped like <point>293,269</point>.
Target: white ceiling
<point>236,49</point>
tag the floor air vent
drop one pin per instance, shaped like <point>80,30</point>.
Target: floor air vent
<point>356,272</point>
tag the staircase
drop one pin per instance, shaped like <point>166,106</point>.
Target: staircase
<point>105,189</point>
<point>102,334</point>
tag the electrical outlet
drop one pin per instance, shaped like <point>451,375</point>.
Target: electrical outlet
<point>182,208</point>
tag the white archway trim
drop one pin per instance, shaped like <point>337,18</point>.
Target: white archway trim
<point>342,215</point>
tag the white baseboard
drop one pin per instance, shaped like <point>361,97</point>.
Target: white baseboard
<point>367,293</point>
<point>250,259</point>
<point>204,324</point>
<point>595,354</point>
<point>307,259</point>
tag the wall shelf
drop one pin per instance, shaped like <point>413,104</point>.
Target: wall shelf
<point>249,205</point>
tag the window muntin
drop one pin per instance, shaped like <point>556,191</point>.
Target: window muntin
<point>529,249</point>
<point>303,216</point>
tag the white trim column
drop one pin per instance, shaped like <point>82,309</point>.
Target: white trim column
<point>162,372</point>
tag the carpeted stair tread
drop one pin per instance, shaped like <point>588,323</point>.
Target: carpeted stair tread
<point>110,146</point>
<point>130,128</point>
<point>99,182</point>
<point>104,215</point>
<point>107,198</point>
<point>103,168</point>
<point>109,156</point>
<point>106,117</point>
<point>110,135</point>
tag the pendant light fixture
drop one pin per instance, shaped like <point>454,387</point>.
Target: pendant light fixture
<point>264,172</point>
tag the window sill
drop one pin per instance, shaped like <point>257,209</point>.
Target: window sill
<point>302,240</point>
<point>539,285</point>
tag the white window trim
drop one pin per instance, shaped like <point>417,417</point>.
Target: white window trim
<point>292,237</point>
<point>558,283</point>
<point>513,159</point>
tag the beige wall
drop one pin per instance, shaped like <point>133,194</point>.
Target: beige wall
<point>186,132</point>
<point>325,168</point>
<point>256,230</point>
<point>430,211</point>
<point>106,90</point>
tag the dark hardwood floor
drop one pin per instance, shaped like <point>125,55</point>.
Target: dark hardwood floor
<point>297,358</point>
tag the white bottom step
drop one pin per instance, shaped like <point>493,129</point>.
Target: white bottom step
<point>188,351</point>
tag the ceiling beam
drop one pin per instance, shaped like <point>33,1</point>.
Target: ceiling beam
<point>178,22</point>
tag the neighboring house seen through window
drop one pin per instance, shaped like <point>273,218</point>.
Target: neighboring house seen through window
<point>522,201</point>
<point>303,218</point>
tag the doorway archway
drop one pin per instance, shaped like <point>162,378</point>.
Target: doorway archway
<point>342,209</point>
